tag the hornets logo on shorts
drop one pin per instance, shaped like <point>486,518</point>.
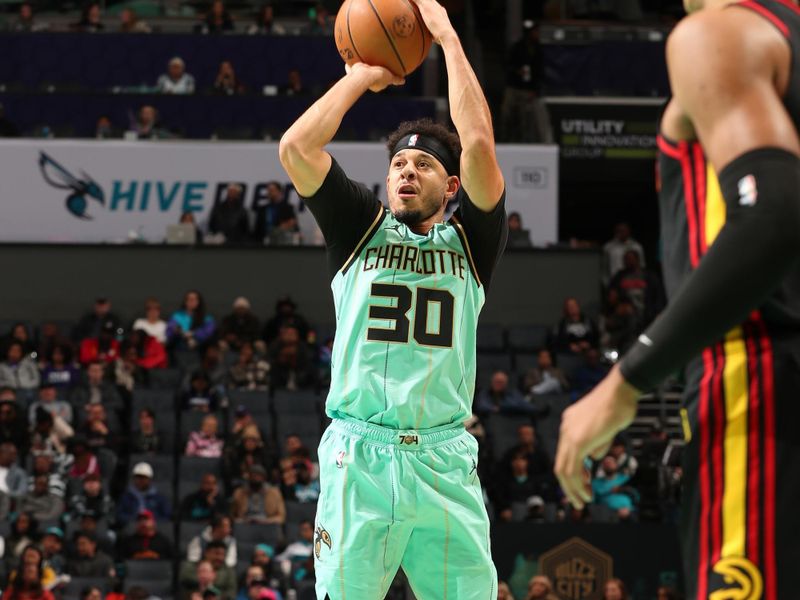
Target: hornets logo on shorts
<point>322,537</point>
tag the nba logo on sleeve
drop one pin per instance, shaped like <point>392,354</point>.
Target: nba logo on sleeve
<point>748,191</point>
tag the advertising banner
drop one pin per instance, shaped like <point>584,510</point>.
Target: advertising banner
<point>72,191</point>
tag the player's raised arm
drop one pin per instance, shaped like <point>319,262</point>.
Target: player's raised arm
<point>733,99</point>
<point>302,150</point>
<point>480,174</point>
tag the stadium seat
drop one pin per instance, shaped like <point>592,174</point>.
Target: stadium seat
<point>256,402</point>
<point>160,401</point>
<point>295,403</point>
<point>489,363</point>
<point>73,588</point>
<point>257,533</point>
<point>300,511</point>
<point>187,530</point>
<point>527,338</point>
<point>502,432</point>
<point>148,569</point>
<point>159,588</point>
<point>192,468</point>
<point>165,379</point>
<point>490,338</point>
<point>524,362</point>
<point>569,363</point>
<point>188,360</point>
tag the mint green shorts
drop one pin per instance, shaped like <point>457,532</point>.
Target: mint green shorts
<point>392,498</point>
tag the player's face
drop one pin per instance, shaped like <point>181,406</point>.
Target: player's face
<point>417,186</point>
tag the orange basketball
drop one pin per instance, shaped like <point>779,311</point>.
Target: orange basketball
<point>386,33</point>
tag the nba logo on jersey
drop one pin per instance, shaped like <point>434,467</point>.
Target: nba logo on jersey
<point>748,191</point>
<point>412,141</point>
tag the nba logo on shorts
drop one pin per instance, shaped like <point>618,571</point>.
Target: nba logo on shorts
<point>412,141</point>
<point>340,459</point>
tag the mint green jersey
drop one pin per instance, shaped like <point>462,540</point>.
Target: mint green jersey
<point>407,309</point>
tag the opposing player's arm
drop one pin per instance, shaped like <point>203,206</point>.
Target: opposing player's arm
<point>728,69</point>
<point>302,147</point>
<point>480,174</point>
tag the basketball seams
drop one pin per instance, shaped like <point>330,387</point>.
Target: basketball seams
<point>349,33</point>
<point>388,37</point>
<point>421,26</point>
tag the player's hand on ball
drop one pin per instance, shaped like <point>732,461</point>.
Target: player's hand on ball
<point>436,20</point>
<point>587,429</point>
<point>380,78</point>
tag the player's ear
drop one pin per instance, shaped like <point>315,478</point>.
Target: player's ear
<point>453,184</point>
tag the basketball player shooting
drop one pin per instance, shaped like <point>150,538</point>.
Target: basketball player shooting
<point>731,247</point>
<point>398,469</point>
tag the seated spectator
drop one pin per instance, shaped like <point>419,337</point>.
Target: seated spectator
<point>220,530</point>
<point>575,333</point>
<point>89,523</point>
<point>226,82</point>
<point>29,585</point>
<point>176,80</point>
<point>500,398</point>
<point>263,556</point>
<point>204,503</point>
<point>218,20</point>
<point>48,401</point>
<point>205,443</point>
<point>517,486</point>
<point>13,479</point>
<point>190,326</point>
<point>200,396</point>
<point>93,323</point>
<point>24,533</point>
<point>545,378</point>
<point>26,21</point>
<point>290,359</point>
<point>33,555</point>
<point>225,576</point>
<point>241,326</point>
<point>642,287</point>
<point>626,464</point>
<point>93,593</point>
<point>91,499</point>
<point>257,501</point>
<point>503,591</point>
<point>619,323</point>
<point>187,218</point>
<point>294,559</point>
<point>142,495</point>
<point>294,84</point>
<point>250,371</point>
<point>90,19</point>
<point>517,236</point>
<point>589,374</point>
<point>52,544</point>
<point>146,542</point>
<point>200,583</point>
<point>18,333</point>
<point>88,560</point>
<point>149,352</point>
<point>152,323</point>
<point>51,336</point>
<point>269,210</point>
<point>148,125</point>
<point>614,589</point>
<point>103,348</point>
<point>53,467</point>
<point>254,584</point>
<point>58,369</point>
<point>287,230</point>
<point>146,439</point>
<point>97,390</point>
<point>13,424</point>
<point>97,430</point>
<point>49,436</point>
<point>540,468</point>
<point>540,588</point>
<point>40,502</point>
<point>610,490</point>
<point>297,483</point>
<point>84,460</point>
<point>127,372</point>
<point>265,23</point>
<point>244,453</point>
<point>213,366</point>
<point>285,314</point>
<point>319,20</point>
<point>129,22</point>
<point>614,251</point>
<point>229,217</point>
<point>18,371</point>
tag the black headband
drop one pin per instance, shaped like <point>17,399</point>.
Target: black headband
<point>433,147</point>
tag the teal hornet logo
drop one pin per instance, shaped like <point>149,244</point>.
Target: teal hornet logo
<point>82,189</point>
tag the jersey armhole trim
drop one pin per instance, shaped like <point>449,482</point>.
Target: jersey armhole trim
<point>463,237</point>
<point>364,240</point>
<point>767,14</point>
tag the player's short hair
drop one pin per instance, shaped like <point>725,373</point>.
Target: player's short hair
<point>426,127</point>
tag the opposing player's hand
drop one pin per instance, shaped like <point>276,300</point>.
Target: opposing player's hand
<point>436,19</point>
<point>588,428</point>
<point>379,77</point>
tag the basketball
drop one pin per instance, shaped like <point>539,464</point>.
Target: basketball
<point>386,33</point>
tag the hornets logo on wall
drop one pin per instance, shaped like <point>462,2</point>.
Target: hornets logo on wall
<point>321,537</point>
<point>741,580</point>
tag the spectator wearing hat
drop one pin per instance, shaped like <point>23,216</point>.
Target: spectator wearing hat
<point>285,314</point>
<point>152,323</point>
<point>142,495</point>
<point>18,371</point>
<point>240,326</point>
<point>146,542</point>
<point>93,323</point>
<point>88,560</point>
<point>91,498</point>
<point>205,443</point>
<point>246,506</point>
<point>250,372</point>
<point>207,501</point>
<point>48,400</point>
<point>263,556</point>
<point>224,576</point>
<point>40,502</point>
<point>220,530</point>
<point>176,80</point>
<point>13,479</point>
<point>52,544</point>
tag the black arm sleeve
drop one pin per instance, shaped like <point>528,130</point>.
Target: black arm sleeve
<point>344,211</point>
<point>758,245</point>
<point>486,234</point>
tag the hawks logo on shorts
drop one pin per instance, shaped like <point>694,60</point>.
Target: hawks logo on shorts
<point>322,537</point>
<point>741,580</point>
